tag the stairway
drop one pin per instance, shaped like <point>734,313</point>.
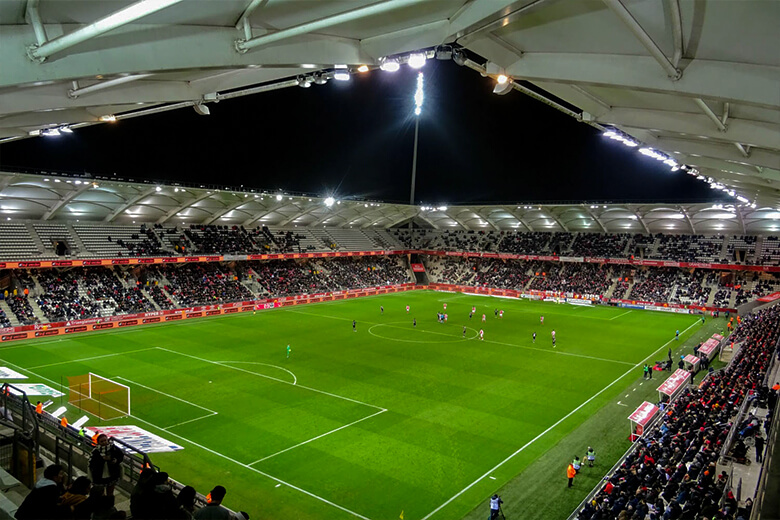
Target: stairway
<point>9,314</point>
<point>46,251</point>
<point>77,243</point>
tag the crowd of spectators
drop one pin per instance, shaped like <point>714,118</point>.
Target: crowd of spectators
<point>653,284</point>
<point>692,288</point>
<point>688,248</point>
<point>606,245</point>
<point>22,309</point>
<point>154,497</point>
<point>502,274</point>
<point>60,300</point>
<point>194,284</point>
<point>215,240</point>
<point>770,251</point>
<point>671,474</point>
<point>356,272</point>
<point>518,243</point>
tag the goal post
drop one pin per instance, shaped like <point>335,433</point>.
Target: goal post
<point>99,396</point>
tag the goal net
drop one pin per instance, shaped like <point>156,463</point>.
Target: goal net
<point>99,396</point>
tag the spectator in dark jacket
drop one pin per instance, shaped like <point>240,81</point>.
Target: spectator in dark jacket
<point>105,463</point>
<point>43,500</point>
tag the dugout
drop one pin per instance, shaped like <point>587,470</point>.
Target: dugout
<point>641,419</point>
<point>673,385</point>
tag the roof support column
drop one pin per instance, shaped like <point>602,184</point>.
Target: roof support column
<point>677,31</point>
<point>39,52</point>
<point>243,46</point>
<point>627,18</point>
<point>34,18</point>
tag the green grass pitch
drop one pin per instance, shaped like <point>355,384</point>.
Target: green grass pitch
<point>386,419</point>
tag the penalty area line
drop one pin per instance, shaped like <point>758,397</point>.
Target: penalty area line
<point>318,437</point>
<point>526,445</point>
<point>250,468</point>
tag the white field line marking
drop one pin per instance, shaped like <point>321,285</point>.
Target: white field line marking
<point>560,353</point>
<point>619,315</point>
<point>247,466</point>
<point>510,457</point>
<point>167,395</point>
<point>272,378</point>
<point>317,437</point>
<point>458,339</point>
<point>391,325</point>
<point>218,454</point>
<point>295,379</point>
<point>191,420</point>
<point>91,358</point>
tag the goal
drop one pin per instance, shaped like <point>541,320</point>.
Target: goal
<point>99,396</point>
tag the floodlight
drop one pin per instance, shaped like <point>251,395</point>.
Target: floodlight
<point>158,188</point>
<point>417,60</point>
<point>443,52</point>
<point>390,65</point>
<point>304,81</point>
<point>501,79</point>
<point>329,201</point>
<point>51,132</point>
<point>279,197</point>
<point>341,76</point>
<point>418,95</point>
<point>502,89</point>
<point>459,56</point>
<point>66,130</point>
<point>320,79</point>
<point>108,118</point>
<point>201,110</point>
<point>363,68</point>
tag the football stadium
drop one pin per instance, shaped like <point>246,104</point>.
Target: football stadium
<point>179,340</point>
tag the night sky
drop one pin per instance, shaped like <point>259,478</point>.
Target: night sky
<point>355,139</point>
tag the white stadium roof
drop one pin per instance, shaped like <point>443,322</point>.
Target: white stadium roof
<point>54,197</point>
<point>698,80</point>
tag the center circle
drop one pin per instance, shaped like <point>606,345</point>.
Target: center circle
<point>431,336</point>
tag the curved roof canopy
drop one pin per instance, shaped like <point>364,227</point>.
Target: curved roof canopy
<point>54,197</point>
<point>696,79</point>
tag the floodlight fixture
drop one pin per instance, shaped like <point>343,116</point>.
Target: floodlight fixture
<point>417,60</point>
<point>66,129</point>
<point>329,201</point>
<point>363,68</point>
<point>390,65</point>
<point>158,189</point>
<point>502,78</point>
<point>51,132</point>
<point>341,76</point>
<point>459,56</point>
<point>304,81</point>
<point>279,197</point>
<point>502,89</point>
<point>320,78</point>
<point>108,118</point>
<point>418,95</point>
